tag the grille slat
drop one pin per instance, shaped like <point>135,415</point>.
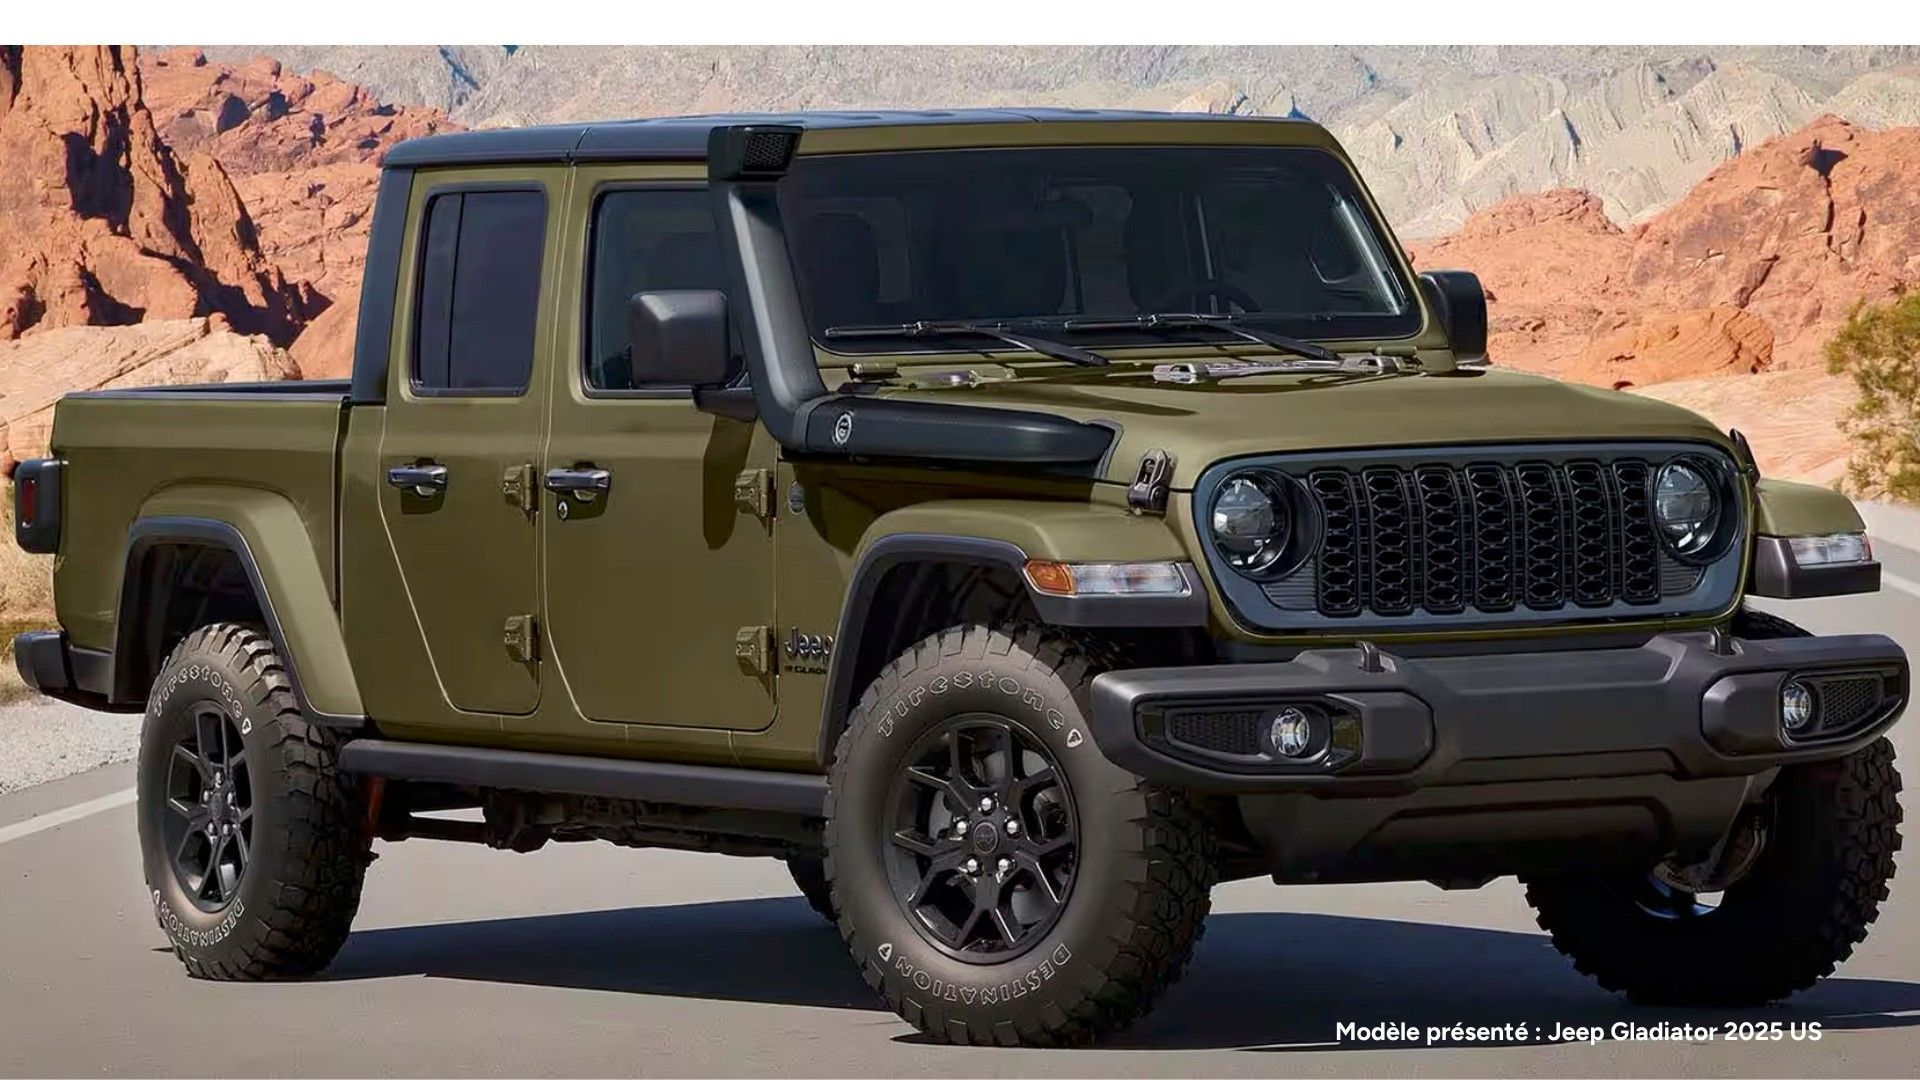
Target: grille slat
<point>1445,539</point>
<point>1337,583</point>
<point>1638,546</point>
<point>1392,589</point>
<point>1492,498</point>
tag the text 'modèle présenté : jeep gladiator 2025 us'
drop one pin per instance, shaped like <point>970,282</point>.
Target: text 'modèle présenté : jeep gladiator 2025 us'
<point>1016,521</point>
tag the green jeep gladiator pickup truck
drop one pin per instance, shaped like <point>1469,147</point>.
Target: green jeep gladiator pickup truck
<point>1016,521</point>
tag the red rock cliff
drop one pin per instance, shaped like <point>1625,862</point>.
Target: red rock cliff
<point>1751,271</point>
<point>106,224</point>
<point>304,153</point>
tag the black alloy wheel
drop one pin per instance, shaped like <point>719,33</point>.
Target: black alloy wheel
<point>207,818</point>
<point>982,838</point>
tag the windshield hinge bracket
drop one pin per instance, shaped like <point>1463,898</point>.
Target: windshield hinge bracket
<point>1148,492</point>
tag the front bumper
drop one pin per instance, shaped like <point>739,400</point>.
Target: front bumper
<point>1493,763</point>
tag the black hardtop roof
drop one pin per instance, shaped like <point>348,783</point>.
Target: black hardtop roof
<point>684,138</point>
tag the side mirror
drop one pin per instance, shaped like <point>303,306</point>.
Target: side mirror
<point>1460,301</point>
<point>680,337</point>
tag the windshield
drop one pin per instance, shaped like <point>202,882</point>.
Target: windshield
<point>1277,233</point>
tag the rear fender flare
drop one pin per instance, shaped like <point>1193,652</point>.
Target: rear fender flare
<point>268,538</point>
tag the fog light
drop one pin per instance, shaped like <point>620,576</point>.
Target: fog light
<point>1796,707</point>
<point>1292,733</point>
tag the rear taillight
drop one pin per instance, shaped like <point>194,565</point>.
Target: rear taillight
<point>36,505</point>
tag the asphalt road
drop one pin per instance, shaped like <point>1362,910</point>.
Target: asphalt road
<point>588,959</point>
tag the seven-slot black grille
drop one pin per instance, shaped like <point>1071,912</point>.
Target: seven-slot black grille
<point>1446,539</point>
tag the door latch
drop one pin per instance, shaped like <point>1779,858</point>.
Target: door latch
<point>753,493</point>
<point>522,637</point>
<point>517,485</point>
<point>753,648</point>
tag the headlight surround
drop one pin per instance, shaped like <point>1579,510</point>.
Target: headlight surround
<point>1250,520</point>
<point>1691,508</point>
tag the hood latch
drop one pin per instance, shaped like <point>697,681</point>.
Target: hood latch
<point>1148,492</point>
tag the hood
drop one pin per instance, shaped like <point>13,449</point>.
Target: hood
<point>1202,423</point>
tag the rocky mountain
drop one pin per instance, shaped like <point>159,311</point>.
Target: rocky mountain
<point>1441,131</point>
<point>1751,271</point>
<point>107,224</point>
<point>169,219</point>
<point>303,152</point>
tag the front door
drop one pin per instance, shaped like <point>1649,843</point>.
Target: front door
<point>651,580</point>
<point>463,416</point>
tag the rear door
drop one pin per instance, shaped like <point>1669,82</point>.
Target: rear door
<point>465,412</point>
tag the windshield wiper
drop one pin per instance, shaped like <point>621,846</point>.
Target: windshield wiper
<point>1058,350</point>
<point>1231,324</point>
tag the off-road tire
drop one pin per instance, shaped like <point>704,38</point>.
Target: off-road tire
<point>1146,859</point>
<point>1806,902</point>
<point>810,876</point>
<point>295,902</point>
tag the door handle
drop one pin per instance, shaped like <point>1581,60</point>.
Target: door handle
<point>583,483</point>
<point>425,480</point>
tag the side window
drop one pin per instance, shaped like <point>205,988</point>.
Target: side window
<point>479,291</point>
<point>643,240</point>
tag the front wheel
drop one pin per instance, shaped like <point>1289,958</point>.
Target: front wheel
<point>997,879</point>
<point>810,877</point>
<point>254,844</point>
<point>1786,897</point>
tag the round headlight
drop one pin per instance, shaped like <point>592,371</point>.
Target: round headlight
<point>1687,508</point>
<point>1250,521</point>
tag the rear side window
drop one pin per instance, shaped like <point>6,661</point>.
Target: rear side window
<point>643,240</point>
<point>479,291</point>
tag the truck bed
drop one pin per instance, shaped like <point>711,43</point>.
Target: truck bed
<point>129,450</point>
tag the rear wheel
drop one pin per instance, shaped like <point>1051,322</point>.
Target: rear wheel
<point>1782,901</point>
<point>254,844</point>
<point>997,879</point>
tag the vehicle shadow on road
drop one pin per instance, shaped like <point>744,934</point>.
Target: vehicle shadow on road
<point>1259,980</point>
<point>774,950</point>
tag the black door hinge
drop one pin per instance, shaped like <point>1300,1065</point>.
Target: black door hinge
<point>516,483</point>
<point>521,635</point>
<point>753,493</point>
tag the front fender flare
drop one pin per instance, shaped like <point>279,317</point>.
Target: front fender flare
<point>986,533</point>
<point>1787,508</point>
<point>265,533</point>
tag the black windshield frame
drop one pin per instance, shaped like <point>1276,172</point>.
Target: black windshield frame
<point>883,258</point>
